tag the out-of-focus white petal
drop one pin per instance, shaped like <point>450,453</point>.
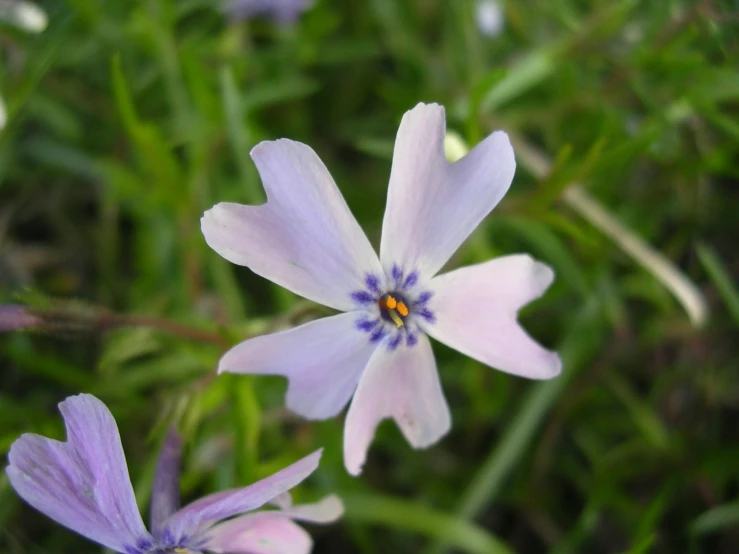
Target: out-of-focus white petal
<point>490,17</point>
<point>304,238</point>
<point>434,205</point>
<point>326,510</point>
<point>283,501</point>
<point>25,15</point>
<point>274,532</point>
<point>475,309</point>
<point>260,533</point>
<point>322,359</point>
<point>402,384</point>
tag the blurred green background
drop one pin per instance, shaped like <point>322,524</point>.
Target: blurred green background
<point>127,119</point>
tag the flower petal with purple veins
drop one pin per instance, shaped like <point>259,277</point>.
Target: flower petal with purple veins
<point>434,205</point>
<point>165,494</point>
<point>323,361</point>
<point>83,483</point>
<point>402,384</point>
<point>195,518</point>
<point>304,238</point>
<point>476,309</point>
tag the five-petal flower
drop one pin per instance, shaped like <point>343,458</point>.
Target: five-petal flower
<point>84,485</point>
<point>306,240</point>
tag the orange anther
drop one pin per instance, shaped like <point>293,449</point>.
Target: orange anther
<point>402,309</point>
<point>391,302</point>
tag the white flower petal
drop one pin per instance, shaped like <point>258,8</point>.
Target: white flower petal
<point>322,359</point>
<point>326,510</point>
<point>283,501</point>
<point>434,205</point>
<point>475,309</point>
<point>24,15</point>
<point>402,384</point>
<point>304,238</point>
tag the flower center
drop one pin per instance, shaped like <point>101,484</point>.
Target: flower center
<point>393,307</point>
<point>390,309</point>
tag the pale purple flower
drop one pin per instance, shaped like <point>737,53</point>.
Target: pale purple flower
<point>306,240</point>
<point>84,485</point>
<point>14,317</point>
<point>490,17</point>
<point>283,11</point>
<point>24,15</point>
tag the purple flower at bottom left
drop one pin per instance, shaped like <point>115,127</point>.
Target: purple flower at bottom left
<point>83,484</point>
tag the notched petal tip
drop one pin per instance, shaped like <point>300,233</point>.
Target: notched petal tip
<point>540,275</point>
<point>430,106</point>
<point>231,362</point>
<point>554,369</point>
<point>81,401</point>
<point>502,148</point>
<point>354,467</point>
<point>327,510</point>
<point>332,508</point>
<point>263,147</point>
<point>310,462</point>
<point>543,275</point>
<point>422,442</point>
<point>224,366</point>
<point>435,114</point>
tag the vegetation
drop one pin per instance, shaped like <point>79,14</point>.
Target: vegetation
<point>126,120</point>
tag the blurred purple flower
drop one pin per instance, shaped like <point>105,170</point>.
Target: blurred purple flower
<point>306,240</point>
<point>14,317</point>
<point>84,485</point>
<point>283,11</point>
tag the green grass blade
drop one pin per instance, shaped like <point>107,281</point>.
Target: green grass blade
<point>410,516</point>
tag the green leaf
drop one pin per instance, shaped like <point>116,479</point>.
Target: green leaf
<point>721,279</point>
<point>716,519</point>
<point>410,516</point>
<point>155,154</point>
